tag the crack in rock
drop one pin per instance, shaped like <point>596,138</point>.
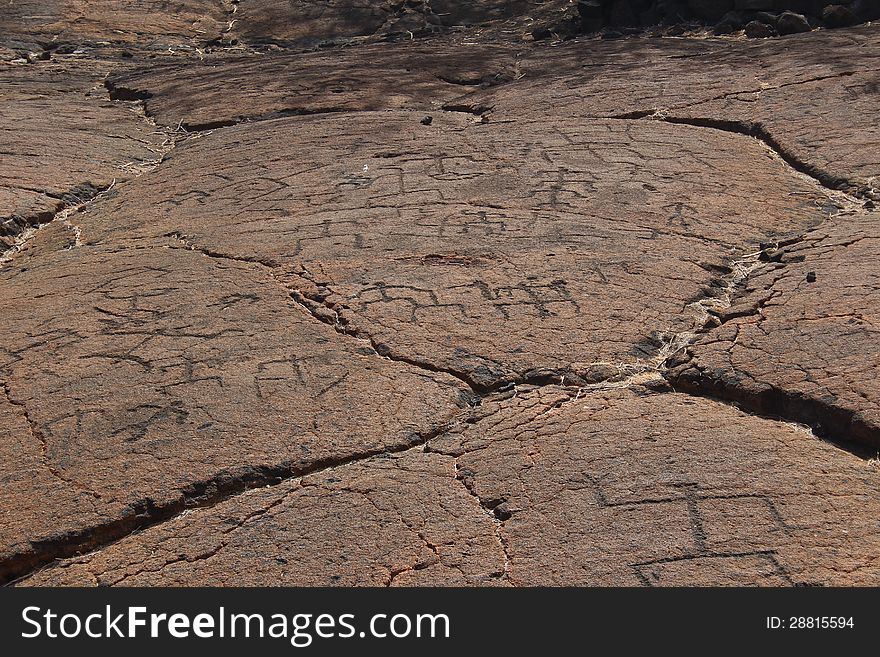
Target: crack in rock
<point>204,494</point>
<point>757,130</point>
<point>38,435</point>
<point>318,307</point>
<point>497,512</point>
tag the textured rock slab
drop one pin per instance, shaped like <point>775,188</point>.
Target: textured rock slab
<point>461,209</point>
<point>610,488</point>
<point>37,24</point>
<point>826,125</point>
<point>221,91</point>
<point>63,141</point>
<point>402,520</point>
<point>815,94</point>
<point>27,472</point>
<point>158,378</point>
<point>496,251</point>
<point>802,340</point>
<point>310,23</point>
<point>665,489</point>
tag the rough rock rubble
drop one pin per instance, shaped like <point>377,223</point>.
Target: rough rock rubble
<point>463,306</point>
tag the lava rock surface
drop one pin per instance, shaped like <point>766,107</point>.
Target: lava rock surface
<point>439,293</point>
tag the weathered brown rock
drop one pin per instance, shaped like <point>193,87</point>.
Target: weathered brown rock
<point>38,24</point>
<point>158,378</point>
<point>838,16</point>
<point>792,23</point>
<point>222,91</point>
<point>801,341</point>
<point>499,252</point>
<point>399,520</point>
<point>813,95</point>
<point>64,141</point>
<point>609,488</point>
<point>443,304</point>
<point>311,23</point>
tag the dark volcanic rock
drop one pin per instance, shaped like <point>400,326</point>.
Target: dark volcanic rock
<point>732,21</point>
<point>792,23</point>
<point>592,15</point>
<point>767,17</point>
<point>759,30</point>
<point>813,7</point>
<point>838,16</point>
<point>866,10</point>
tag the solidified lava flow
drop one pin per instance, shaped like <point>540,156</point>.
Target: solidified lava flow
<point>439,293</point>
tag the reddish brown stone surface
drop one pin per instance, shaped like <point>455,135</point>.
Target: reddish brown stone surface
<point>39,24</point>
<point>609,488</point>
<point>813,95</point>
<point>220,91</point>
<point>802,340</point>
<point>663,489</point>
<point>151,376</point>
<point>402,520</point>
<point>435,304</point>
<point>64,141</point>
<point>511,262</point>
